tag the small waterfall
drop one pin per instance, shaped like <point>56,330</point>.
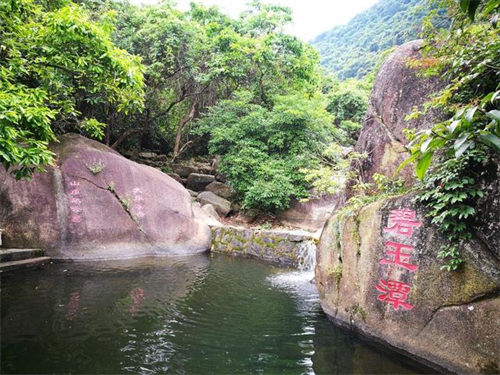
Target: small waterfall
<point>307,256</point>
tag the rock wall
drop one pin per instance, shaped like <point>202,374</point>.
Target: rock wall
<point>396,92</point>
<point>95,204</point>
<point>377,271</point>
<point>287,248</point>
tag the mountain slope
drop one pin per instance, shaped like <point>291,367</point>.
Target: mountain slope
<point>352,50</point>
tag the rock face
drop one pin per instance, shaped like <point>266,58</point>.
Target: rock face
<point>221,205</point>
<point>400,296</point>
<point>288,248</point>
<point>96,204</point>
<point>396,92</point>
<point>311,215</point>
<point>198,182</point>
<point>487,219</point>
<point>220,189</point>
<point>377,269</point>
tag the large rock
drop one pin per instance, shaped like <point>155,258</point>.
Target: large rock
<point>487,218</point>
<point>311,215</point>
<point>96,204</point>
<point>448,319</point>
<point>220,189</point>
<point>397,92</point>
<point>198,182</point>
<point>184,170</point>
<point>210,210</point>
<point>221,205</point>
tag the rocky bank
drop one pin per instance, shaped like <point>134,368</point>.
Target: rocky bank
<point>95,204</point>
<point>377,268</point>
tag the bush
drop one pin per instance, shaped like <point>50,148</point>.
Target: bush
<point>264,150</point>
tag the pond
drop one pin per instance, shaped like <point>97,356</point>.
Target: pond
<point>203,314</point>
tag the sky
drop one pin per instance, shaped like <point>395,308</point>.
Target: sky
<point>311,17</point>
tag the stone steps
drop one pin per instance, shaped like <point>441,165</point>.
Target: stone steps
<point>12,259</point>
<point>10,255</point>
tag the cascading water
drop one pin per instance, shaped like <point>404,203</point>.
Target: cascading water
<point>307,256</point>
<point>306,262</point>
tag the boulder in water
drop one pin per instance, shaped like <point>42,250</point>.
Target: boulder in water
<point>96,204</point>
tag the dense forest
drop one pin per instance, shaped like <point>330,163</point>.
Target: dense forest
<point>178,83</point>
<point>353,50</point>
<point>201,84</point>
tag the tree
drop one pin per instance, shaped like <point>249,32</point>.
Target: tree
<point>196,58</point>
<point>265,151</point>
<point>58,69</point>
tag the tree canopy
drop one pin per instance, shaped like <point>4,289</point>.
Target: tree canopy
<point>58,68</point>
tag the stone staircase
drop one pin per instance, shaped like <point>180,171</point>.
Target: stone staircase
<point>12,259</point>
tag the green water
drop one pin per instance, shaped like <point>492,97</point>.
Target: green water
<point>194,315</point>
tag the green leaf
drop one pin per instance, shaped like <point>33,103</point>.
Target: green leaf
<point>453,126</point>
<point>464,4</point>
<point>473,5</point>
<point>461,140</point>
<point>424,164</point>
<point>469,114</point>
<point>463,147</point>
<point>494,114</point>
<point>491,6</point>
<point>490,139</point>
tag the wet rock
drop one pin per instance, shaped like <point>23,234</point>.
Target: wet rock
<point>220,177</point>
<point>487,218</point>
<point>274,246</point>
<point>205,169</point>
<point>97,204</point>
<point>147,155</point>
<point>220,189</point>
<point>162,158</point>
<point>449,319</point>
<point>198,182</point>
<point>221,205</point>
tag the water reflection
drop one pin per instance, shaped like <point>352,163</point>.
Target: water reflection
<point>192,315</point>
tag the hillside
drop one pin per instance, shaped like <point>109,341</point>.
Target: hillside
<point>351,50</point>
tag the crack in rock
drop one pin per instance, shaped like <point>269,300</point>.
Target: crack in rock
<point>118,198</point>
<point>476,299</point>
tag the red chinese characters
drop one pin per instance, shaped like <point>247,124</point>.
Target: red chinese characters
<point>402,222</point>
<point>398,257</point>
<point>75,202</point>
<point>395,292</point>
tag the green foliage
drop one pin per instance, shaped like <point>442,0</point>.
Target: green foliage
<point>352,50</point>
<point>335,271</point>
<point>334,172</point>
<point>196,58</point>
<point>264,151</point>
<point>450,193</point>
<point>468,54</point>
<point>348,102</point>
<point>96,167</point>
<point>56,68</point>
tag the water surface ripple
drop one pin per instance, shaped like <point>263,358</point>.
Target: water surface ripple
<point>191,315</point>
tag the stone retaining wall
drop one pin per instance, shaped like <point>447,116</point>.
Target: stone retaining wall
<point>284,247</point>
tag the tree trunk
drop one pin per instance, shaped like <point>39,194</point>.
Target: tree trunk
<point>178,135</point>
